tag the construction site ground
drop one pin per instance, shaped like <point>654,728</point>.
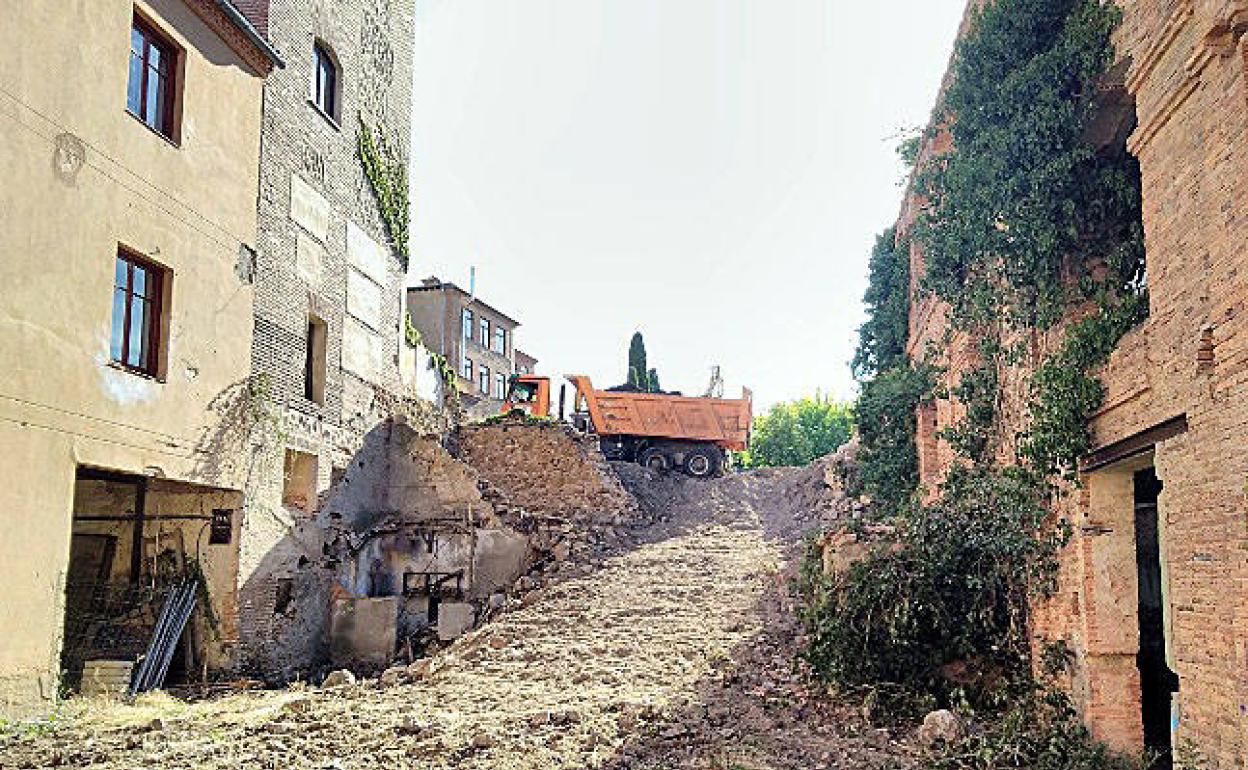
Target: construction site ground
<point>678,651</point>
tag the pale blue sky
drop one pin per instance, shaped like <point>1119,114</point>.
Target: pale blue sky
<point>711,172</point>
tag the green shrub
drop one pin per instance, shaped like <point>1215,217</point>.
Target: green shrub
<point>952,586</point>
<point>1039,731</point>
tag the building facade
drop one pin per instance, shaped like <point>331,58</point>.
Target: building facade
<point>476,339</point>
<point>1166,481</point>
<point>131,134</point>
<point>329,301</point>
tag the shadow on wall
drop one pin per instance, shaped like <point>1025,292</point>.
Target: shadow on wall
<point>406,523</point>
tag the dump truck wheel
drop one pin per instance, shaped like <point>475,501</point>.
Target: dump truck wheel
<point>654,459</point>
<point>702,462</point>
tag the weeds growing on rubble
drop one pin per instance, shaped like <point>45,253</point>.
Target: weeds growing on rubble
<point>1024,225</point>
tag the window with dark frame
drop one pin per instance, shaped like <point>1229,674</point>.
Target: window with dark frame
<point>500,340</point>
<point>500,386</point>
<point>138,288</point>
<point>485,333</point>
<point>467,324</point>
<point>484,383</point>
<point>325,87</point>
<point>151,90</point>
<point>467,369</point>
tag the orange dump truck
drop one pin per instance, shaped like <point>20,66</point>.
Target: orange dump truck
<point>657,430</point>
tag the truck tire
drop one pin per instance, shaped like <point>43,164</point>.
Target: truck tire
<point>654,459</point>
<point>703,462</point>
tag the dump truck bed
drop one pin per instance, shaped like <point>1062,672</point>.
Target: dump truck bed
<point>721,421</point>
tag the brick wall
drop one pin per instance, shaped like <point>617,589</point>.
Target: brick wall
<point>1187,62</point>
<point>322,250</point>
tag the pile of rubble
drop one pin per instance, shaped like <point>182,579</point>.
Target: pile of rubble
<point>428,538</point>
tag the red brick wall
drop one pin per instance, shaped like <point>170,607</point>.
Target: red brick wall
<point>1187,73</point>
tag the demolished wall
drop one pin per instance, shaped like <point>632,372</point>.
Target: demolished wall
<point>547,469</point>
<point>441,539</point>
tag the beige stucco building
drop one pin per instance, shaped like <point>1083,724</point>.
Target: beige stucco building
<point>129,146</point>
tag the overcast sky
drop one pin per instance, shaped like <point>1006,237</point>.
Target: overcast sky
<point>709,172</point>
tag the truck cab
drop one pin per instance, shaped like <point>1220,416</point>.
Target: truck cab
<point>530,394</point>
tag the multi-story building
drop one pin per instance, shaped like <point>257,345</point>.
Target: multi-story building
<point>329,299</point>
<point>476,339</point>
<point>525,363</point>
<point>1153,591</point>
<point>130,133</point>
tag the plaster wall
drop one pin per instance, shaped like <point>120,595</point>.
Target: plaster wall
<point>83,177</point>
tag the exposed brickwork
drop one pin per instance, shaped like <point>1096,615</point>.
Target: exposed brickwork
<point>1187,75</point>
<point>322,251</point>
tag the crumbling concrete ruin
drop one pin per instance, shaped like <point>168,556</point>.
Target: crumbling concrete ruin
<point>413,545</point>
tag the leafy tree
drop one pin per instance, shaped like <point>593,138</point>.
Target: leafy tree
<point>637,371</point>
<point>640,375</point>
<point>797,432</point>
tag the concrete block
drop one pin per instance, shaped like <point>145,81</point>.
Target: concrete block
<point>455,619</point>
<point>363,632</point>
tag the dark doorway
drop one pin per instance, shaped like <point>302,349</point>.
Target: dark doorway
<point>1157,681</point>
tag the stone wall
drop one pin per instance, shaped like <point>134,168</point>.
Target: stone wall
<point>1187,62</point>
<point>546,469</point>
<point>323,251</point>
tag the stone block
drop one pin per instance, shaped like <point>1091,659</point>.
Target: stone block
<point>455,619</point>
<point>364,300</point>
<point>308,208</point>
<point>365,254</point>
<point>363,632</point>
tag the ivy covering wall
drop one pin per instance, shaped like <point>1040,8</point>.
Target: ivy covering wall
<point>1030,233</point>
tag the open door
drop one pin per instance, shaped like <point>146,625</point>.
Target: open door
<point>1157,682</point>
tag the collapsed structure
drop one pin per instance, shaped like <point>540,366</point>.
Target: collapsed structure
<point>413,544</point>
<point>1155,577</point>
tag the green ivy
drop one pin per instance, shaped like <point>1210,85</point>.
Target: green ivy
<point>885,414</point>
<point>1065,394</point>
<point>1023,193</point>
<point>1025,224</point>
<point>882,339</point>
<point>386,170</point>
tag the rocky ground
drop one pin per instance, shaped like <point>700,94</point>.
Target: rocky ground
<point>678,652</point>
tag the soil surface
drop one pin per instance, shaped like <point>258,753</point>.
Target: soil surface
<point>679,652</point>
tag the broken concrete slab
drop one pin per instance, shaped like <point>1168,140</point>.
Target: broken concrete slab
<point>363,632</point>
<point>455,619</point>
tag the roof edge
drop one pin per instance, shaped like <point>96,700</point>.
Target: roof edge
<point>249,30</point>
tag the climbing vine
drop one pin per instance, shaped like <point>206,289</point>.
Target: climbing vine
<point>386,170</point>
<point>882,338</point>
<point>1031,235</point>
